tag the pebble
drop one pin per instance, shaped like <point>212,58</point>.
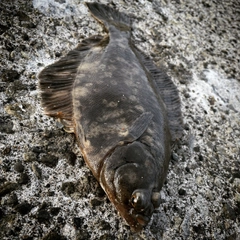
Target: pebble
<point>96,202</point>
<point>37,171</point>
<point>24,208</point>
<point>10,75</point>
<point>29,156</point>
<point>68,188</point>
<point>6,126</point>
<point>48,159</point>
<point>43,216</point>
<point>182,191</point>
<point>71,158</point>
<point>18,167</point>
<point>24,178</point>
<point>236,184</point>
<point>7,188</point>
<point>53,235</point>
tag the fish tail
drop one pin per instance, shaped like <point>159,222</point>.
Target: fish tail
<point>109,16</point>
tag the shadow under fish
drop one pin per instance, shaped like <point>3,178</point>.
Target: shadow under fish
<point>124,111</point>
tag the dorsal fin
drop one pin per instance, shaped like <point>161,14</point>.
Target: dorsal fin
<point>57,79</point>
<point>168,93</point>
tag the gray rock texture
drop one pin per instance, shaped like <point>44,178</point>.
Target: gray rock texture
<point>46,190</point>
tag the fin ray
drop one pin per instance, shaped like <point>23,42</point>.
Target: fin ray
<point>139,126</point>
<point>168,93</point>
<point>57,79</point>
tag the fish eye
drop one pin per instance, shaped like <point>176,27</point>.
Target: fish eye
<point>139,200</point>
<point>133,200</point>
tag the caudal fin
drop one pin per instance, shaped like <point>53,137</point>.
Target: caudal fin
<point>109,16</point>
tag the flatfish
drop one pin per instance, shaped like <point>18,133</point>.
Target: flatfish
<point>124,111</point>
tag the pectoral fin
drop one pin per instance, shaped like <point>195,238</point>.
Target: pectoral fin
<point>139,126</point>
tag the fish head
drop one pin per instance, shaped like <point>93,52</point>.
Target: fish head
<point>130,178</point>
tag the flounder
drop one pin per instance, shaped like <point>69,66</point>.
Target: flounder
<point>124,111</point>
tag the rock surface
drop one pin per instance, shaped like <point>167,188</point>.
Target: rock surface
<point>46,190</point>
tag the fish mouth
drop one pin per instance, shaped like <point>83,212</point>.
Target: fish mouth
<point>143,220</point>
<point>137,220</point>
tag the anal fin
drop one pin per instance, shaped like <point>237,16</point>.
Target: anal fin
<point>167,91</point>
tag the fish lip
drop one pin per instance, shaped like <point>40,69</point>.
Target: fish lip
<point>140,217</point>
<point>139,221</point>
<point>143,220</point>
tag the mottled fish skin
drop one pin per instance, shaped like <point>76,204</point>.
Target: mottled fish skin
<point>119,116</point>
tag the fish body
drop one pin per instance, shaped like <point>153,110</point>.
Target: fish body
<point>123,110</point>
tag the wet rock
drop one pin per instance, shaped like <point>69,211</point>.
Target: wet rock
<point>25,37</point>
<point>18,167</point>
<point>236,184</point>
<point>71,158</point>
<point>236,172</point>
<point>61,1</point>
<point>228,211</point>
<point>6,150</point>
<point>200,157</point>
<point>15,109</point>
<point>48,160</point>
<point>2,180</point>
<point>22,16</point>
<point>104,225</point>
<point>37,171</point>
<point>96,202</point>
<point>55,210</point>
<point>175,157</point>
<point>24,178</point>
<point>10,75</point>
<point>100,192</point>
<point>182,192</point>
<point>43,216</point>
<point>199,229</point>
<point>8,219</point>
<point>38,149</point>
<point>196,149</point>
<point>12,200</point>
<point>29,156</point>
<point>86,185</point>
<point>6,125</point>
<point>107,236</point>
<point>3,28</point>
<point>1,214</point>
<point>82,234</point>
<point>23,208</point>
<point>53,235</point>
<point>27,237</point>
<point>78,222</point>
<point>68,188</point>
<point>233,236</point>
<point>7,188</point>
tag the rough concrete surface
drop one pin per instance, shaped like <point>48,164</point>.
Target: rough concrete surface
<point>46,190</point>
